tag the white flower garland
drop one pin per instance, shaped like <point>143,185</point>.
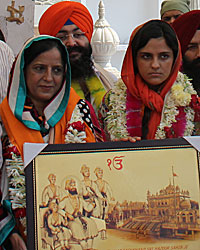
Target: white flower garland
<point>73,135</point>
<point>116,116</point>
<point>179,95</point>
<point>17,191</point>
<point>15,171</point>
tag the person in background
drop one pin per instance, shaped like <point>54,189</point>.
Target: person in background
<point>6,59</point>
<point>172,9</point>
<point>2,37</point>
<point>187,28</point>
<point>72,23</point>
<point>154,100</point>
<point>40,107</point>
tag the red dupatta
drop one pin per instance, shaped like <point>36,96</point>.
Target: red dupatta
<point>140,90</point>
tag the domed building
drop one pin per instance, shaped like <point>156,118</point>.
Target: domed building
<point>179,215</point>
<point>167,202</point>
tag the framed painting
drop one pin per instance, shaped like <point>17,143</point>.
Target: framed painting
<point>114,196</point>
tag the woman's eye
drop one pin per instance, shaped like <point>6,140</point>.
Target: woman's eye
<point>58,70</point>
<point>39,68</point>
<point>146,56</point>
<point>164,56</point>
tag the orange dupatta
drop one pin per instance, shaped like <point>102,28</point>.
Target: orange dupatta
<point>18,133</point>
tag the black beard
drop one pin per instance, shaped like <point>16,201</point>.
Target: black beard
<point>192,70</point>
<point>81,68</point>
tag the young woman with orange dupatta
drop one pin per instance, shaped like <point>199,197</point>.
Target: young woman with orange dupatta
<point>41,107</point>
<point>154,100</point>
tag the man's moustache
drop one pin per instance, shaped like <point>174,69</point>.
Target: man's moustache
<point>74,49</point>
<point>196,61</point>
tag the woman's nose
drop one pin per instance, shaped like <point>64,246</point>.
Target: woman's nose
<point>155,63</point>
<point>48,75</point>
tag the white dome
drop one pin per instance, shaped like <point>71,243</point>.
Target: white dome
<point>104,40</point>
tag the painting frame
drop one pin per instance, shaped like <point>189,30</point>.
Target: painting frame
<point>85,150</point>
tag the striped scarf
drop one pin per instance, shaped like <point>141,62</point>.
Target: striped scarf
<point>18,93</point>
<point>95,88</point>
